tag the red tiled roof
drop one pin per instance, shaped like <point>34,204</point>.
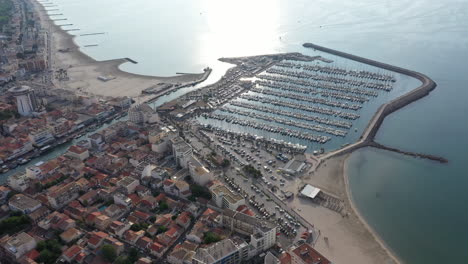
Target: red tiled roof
<point>72,251</point>
<point>77,149</point>
<point>309,255</point>
<point>33,254</point>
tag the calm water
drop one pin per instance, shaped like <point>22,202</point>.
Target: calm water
<point>415,205</point>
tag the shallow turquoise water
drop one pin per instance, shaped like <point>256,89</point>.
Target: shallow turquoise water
<point>416,206</point>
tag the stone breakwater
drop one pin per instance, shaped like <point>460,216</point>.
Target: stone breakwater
<point>367,137</point>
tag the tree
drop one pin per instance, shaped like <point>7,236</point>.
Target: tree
<point>211,237</point>
<point>109,252</point>
<point>200,191</point>
<point>135,227</point>
<point>161,229</point>
<point>226,163</point>
<point>163,206</point>
<point>50,251</point>
<point>133,255</point>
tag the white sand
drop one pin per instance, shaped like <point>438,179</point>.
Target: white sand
<point>350,240</point>
<point>83,70</point>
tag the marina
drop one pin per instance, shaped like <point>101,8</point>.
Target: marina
<point>296,100</point>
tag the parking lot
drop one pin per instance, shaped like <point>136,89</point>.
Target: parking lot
<point>264,194</point>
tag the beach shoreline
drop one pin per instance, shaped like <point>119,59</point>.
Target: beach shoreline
<point>352,204</point>
<point>83,70</point>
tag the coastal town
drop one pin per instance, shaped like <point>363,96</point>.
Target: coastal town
<point>131,187</point>
<point>232,172</point>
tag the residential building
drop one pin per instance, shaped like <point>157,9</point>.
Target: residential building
<point>61,195</point>
<point>18,181</point>
<point>200,174</point>
<point>306,254</point>
<point>182,151</point>
<point>128,184</point>
<point>77,153</point>
<point>225,198</point>
<point>41,137</point>
<point>26,101</point>
<point>14,247</point>
<point>227,251</point>
<point>23,203</point>
<point>140,114</point>
<point>262,233</point>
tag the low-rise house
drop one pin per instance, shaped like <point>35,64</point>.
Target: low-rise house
<point>115,211</point>
<point>170,236</point>
<point>96,239</point>
<point>183,220</point>
<point>118,228</point>
<point>182,253</point>
<point>157,249</point>
<point>57,221</point>
<point>89,197</point>
<point>144,242</point>
<point>138,217</point>
<point>70,235</point>
<point>72,252</point>
<point>119,246</point>
<point>132,237</point>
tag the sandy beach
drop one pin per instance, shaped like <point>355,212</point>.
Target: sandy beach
<point>343,238</point>
<point>83,71</point>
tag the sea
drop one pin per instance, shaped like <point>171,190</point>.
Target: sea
<point>416,206</point>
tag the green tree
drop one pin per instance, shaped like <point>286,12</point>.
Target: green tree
<point>226,163</point>
<point>200,191</point>
<point>109,252</point>
<point>163,206</point>
<point>211,237</point>
<point>161,229</point>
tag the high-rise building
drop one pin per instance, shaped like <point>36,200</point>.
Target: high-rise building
<point>25,100</point>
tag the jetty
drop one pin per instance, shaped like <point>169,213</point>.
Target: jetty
<point>91,34</point>
<point>368,135</point>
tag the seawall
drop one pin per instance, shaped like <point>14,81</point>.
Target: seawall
<point>368,135</point>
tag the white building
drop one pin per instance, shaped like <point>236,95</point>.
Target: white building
<point>25,100</point>
<point>18,245</point>
<point>230,251</point>
<point>200,174</point>
<point>128,184</point>
<point>23,203</point>
<point>182,151</point>
<point>120,198</point>
<point>262,233</point>
<point>41,137</point>
<point>140,114</point>
<point>18,181</point>
<point>225,198</point>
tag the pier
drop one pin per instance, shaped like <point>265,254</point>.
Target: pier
<point>92,34</point>
<point>368,136</point>
<point>128,59</point>
<point>408,153</point>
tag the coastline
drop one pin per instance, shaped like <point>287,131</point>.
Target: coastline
<point>352,204</point>
<point>83,70</point>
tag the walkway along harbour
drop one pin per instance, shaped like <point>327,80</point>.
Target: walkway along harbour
<point>367,137</point>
